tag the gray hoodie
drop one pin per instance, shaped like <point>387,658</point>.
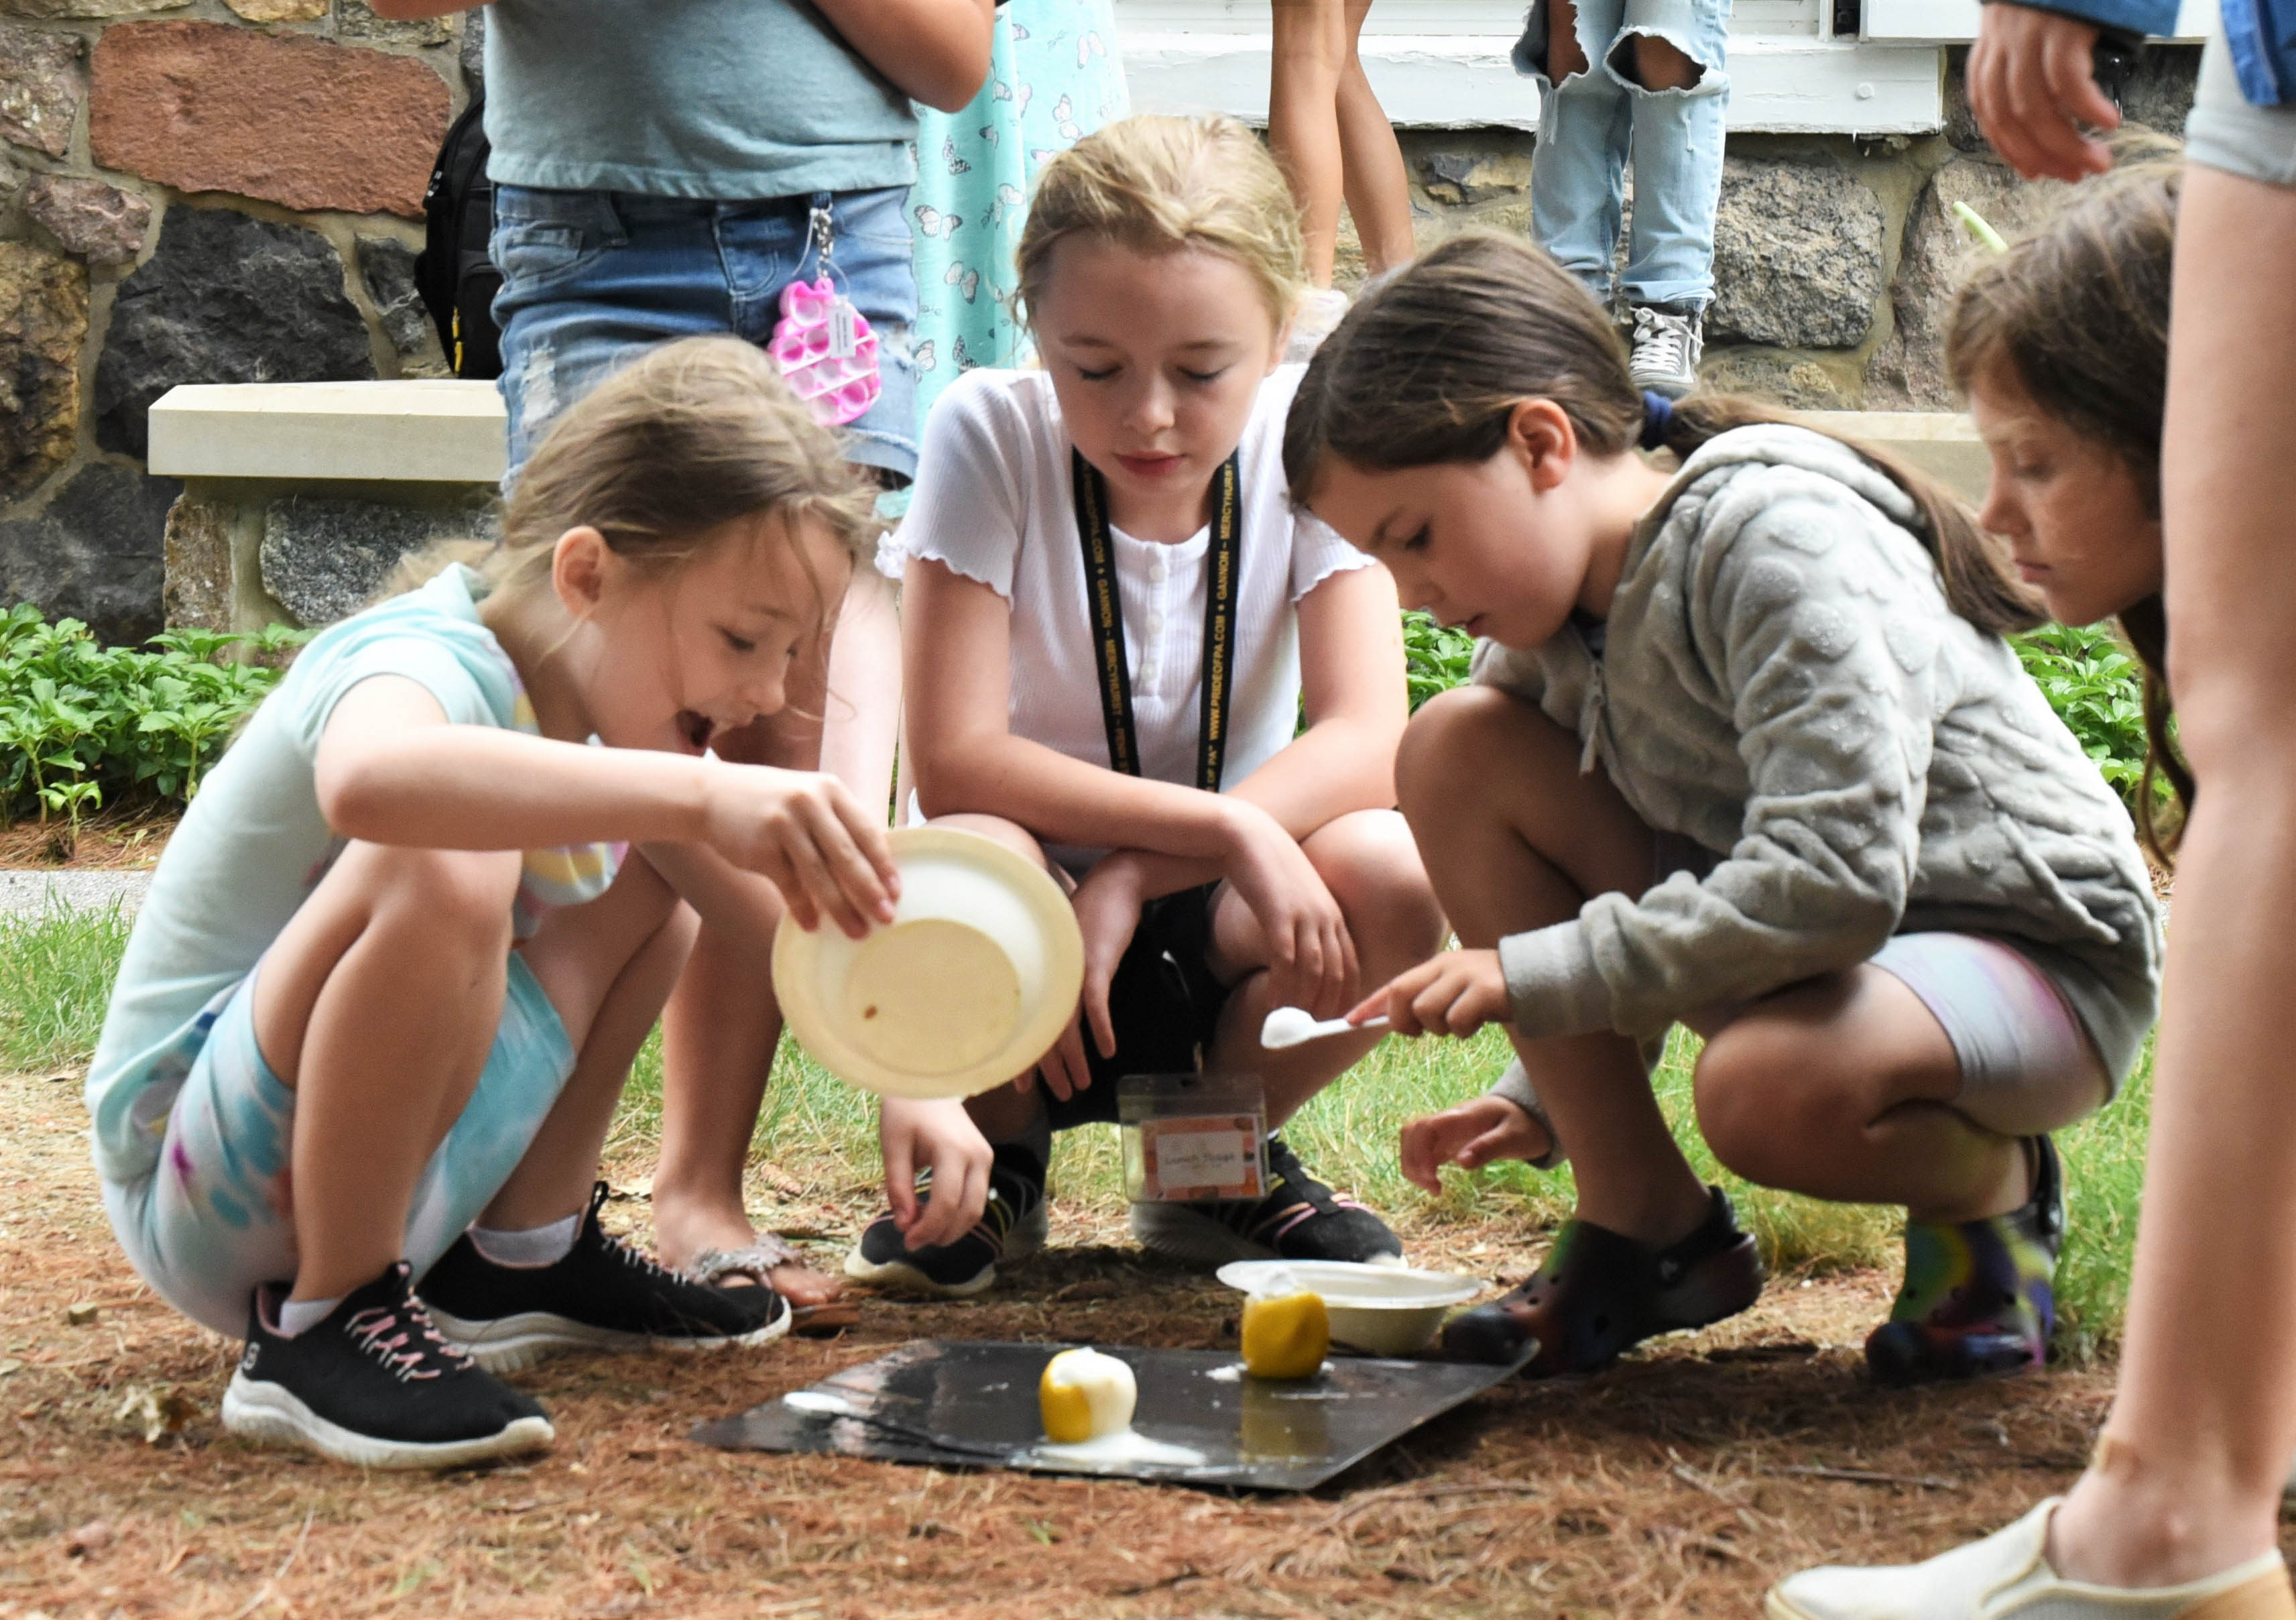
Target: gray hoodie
<point>1782,684</point>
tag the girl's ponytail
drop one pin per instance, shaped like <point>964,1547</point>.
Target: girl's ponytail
<point>1430,364</point>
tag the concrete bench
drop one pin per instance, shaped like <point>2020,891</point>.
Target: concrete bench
<point>298,496</point>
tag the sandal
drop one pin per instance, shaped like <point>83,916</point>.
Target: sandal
<point>1598,1293</point>
<point>1979,1296</point>
<point>825,1319</point>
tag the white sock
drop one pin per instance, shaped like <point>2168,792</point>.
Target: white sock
<point>538,1245</point>
<point>296,1314</point>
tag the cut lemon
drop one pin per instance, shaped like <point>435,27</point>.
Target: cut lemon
<point>1285,1335</point>
<point>1084,1395</point>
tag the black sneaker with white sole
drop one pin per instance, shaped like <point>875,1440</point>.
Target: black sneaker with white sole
<point>1011,1228</point>
<point>373,1383</point>
<point>601,1294</point>
<point>1299,1219</point>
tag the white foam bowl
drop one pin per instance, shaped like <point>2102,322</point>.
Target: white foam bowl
<point>1378,1310</point>
<point>972,981</point>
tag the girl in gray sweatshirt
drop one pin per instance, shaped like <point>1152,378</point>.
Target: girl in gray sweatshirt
<point>1745,750</point>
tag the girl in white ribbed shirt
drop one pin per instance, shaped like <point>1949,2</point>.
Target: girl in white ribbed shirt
<point>1217,869</point>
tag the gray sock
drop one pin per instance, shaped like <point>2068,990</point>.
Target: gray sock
<point>538,1245</point>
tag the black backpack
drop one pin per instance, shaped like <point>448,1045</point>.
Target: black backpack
<point>456,280</point>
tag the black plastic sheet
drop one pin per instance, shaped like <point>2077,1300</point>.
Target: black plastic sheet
<point>958,1403</point>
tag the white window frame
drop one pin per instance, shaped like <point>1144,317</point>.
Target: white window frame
<point>1446,64</point>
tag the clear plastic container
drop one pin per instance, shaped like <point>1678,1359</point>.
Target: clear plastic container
<point>1192,1136</point>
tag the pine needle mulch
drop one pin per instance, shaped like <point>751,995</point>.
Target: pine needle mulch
<point>1680,1482</point>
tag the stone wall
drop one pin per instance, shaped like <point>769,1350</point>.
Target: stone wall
<point>216,191</point>
<point>193,191</point>
<point>1834,256</point>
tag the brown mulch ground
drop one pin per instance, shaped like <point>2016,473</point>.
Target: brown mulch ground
<point>109,841</point>
<point>1680,1482</point>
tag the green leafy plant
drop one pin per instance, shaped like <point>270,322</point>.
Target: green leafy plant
<point>83,724</point>
<point>1434,658</point>
<point>2097,687</point>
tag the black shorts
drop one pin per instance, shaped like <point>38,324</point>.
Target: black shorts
<point>1163,1001</point>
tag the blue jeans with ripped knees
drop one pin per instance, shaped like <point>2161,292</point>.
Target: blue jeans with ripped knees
<point>590,278</point>
<point>1592,124</point>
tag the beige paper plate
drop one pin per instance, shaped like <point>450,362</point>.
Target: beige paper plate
<point>972,981</point>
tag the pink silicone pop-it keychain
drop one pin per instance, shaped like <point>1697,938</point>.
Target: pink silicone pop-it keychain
<point>824,345</point>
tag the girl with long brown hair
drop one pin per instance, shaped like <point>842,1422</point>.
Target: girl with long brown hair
<point>1745,750</point>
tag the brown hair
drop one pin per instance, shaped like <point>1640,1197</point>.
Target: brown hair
<point>1158,185</point>
<point>2077,311</point>
<point>691,438</point>
<point>1430,363</point>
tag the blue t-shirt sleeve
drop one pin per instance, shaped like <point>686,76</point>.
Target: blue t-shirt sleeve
<point>425,660</point>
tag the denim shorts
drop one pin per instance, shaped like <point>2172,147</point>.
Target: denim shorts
<point>592,277</point>
<point>2225,131</point>
<point>216,1218</point>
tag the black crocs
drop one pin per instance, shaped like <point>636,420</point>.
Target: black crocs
<point>1599,1293</point>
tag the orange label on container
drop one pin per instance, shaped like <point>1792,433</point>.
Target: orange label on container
<point>1211,1157</point>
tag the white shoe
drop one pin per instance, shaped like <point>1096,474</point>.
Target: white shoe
<point>2006,1576</point>
<point>1319,312</point>
<point>1666,348</point>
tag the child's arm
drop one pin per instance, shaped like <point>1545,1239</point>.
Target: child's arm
<point>391,769</point>
<point>935,51</point>
<point>1352,679</point>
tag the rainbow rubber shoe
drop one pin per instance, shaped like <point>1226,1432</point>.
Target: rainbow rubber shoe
<point>1980,1297</point>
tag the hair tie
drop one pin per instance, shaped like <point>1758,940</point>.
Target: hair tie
<point>1658,419</point>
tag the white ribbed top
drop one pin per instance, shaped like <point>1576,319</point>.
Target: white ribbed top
<point>994,502</point>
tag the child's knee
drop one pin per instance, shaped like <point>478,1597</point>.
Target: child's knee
<point>1011,835</point>
<point>1448,746</point>
<point>453,896</point>
<point>1754,1113</point>
<point>1371,864</point>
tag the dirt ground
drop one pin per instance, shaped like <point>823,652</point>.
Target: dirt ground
<point>1681,1482</point>
<point>109,841</point>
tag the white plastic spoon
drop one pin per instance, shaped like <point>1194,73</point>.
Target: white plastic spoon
<point>1296,1026</point>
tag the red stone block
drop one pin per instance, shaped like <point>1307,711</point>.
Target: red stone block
<point>202,106</point>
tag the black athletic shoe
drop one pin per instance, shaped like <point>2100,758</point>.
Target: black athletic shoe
<point>1011,1229</point>
<point>373,1384</point>
<point>601,1295</point>
<point>1299,1219</point>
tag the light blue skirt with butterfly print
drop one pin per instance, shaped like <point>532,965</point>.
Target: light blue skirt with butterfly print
<point>1055,75</point>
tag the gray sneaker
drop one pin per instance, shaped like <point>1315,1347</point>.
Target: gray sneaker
<point>1668,343</point>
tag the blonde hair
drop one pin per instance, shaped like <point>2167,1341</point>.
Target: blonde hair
<point>1158,185</point>
<point>690,439</point>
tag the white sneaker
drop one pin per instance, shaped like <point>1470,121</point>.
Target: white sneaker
<point>1320,311</point>
<point>2006,1576</point>
<point>1666,349</point>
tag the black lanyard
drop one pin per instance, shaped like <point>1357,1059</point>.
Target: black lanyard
<point>1106,605</point>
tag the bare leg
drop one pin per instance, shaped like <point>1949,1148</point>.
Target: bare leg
<point>722,1026</point>
<point>2205,1420</point>
<point>607,967</point>
<point>1303,123</point>
<point>1372,870</point>
<point>1377,190</point>
<point>1515,838</point>
<point>1840,1088</point>
<point>377,1004</point>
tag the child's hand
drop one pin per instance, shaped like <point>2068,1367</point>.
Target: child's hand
<point>1108,910</point>
<point>1311,958</point>
<point>2032,84</point>
<point>939,1136</point>
<point>808,835</point>
<point>1455,993</point>
<point>1469,1135</point>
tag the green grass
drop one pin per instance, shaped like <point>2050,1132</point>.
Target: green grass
<point>57,971</point>
<point>55,976</point>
